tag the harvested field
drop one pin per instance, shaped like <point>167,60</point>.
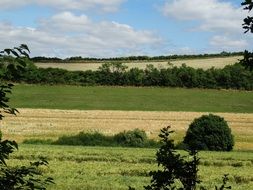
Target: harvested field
<point>50,124</point>
<point>204,63</point>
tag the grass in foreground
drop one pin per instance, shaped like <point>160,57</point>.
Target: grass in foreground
<point>104,168</point>
<point>131,98</point>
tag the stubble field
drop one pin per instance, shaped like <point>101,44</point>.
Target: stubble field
<point>50,124</point>
<point>204,63</point>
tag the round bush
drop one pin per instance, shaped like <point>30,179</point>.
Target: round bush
<point>209,132</point>
<point>135,138</point>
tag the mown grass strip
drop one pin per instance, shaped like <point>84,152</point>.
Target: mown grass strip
<point>131,98</point>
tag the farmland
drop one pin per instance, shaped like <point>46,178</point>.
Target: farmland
<point>204,63</point>
<point>71,109</point>
<point>100,168</point>
<point>92,95</point>
<point>50,124</point>
<point>131,99</point>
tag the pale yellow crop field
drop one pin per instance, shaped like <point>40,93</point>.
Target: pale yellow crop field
<point>204,63</point>
<point>50,124</point>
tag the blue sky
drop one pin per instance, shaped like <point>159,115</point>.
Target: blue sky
<point>111,28</point>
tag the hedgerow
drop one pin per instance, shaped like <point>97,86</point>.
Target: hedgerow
<point>116,74</point>
<point>133,138</point>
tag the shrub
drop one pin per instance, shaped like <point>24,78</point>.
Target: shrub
<point>85,139</point>
<point>38,141</point>
<point>175,170</point>
<point>209,132</point>
<point>135,138</point>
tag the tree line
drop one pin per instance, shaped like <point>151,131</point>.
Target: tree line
<point>234,76</point>
<point>43,59</point>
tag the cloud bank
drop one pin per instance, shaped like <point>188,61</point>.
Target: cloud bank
<point>67,34</point>
<point>220,18</point>
<point>105,5</point>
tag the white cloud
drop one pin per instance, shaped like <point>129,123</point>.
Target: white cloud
<point>220,18</point>
<point>65,21</point>
<point>226,43</point>
<point>105,5</point>
<point>66,34</point>
<point>213,15</point>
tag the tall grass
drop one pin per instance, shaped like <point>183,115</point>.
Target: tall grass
<point>115,168</point>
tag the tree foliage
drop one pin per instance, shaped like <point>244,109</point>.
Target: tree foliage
<point>247,61</point>
<point>18,177</point>
<point>230,77</point>
<point>209,132</point>
<point>177,172</point>
<point>12,64</point>
<point>248,21</point>
<point>78,59</point>
<point>134,138</point>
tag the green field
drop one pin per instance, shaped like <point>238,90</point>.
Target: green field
<point>115,168</point>
<point>131,98</point>
<point>103,168</point>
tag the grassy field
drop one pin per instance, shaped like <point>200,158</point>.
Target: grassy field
<point>51,124</point>
<point>161,106</point>
<point>131,98</point>
<point>99,168</point>
<point>204,63</point>
<point>70,109</point>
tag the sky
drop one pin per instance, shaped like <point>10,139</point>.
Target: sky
<point>115,28</point>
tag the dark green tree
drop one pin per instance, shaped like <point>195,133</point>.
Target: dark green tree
<point>248,21</point>
<point>177,172</point>
<point>112,73</point>
<point>209,132</point>
<point>19,177</point>
<point>175,168</point>
<point>247,61</point>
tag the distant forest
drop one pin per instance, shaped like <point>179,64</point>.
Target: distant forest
<point>133,58</point>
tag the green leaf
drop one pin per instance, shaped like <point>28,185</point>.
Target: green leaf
<point>24,46</point>
<point>8,51</point>
<point>14,53</point>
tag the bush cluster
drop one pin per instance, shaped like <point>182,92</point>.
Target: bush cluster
<point>208,132</point>
<point>86,139</point>
<point>134,138</point>
<point>230,77</point>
